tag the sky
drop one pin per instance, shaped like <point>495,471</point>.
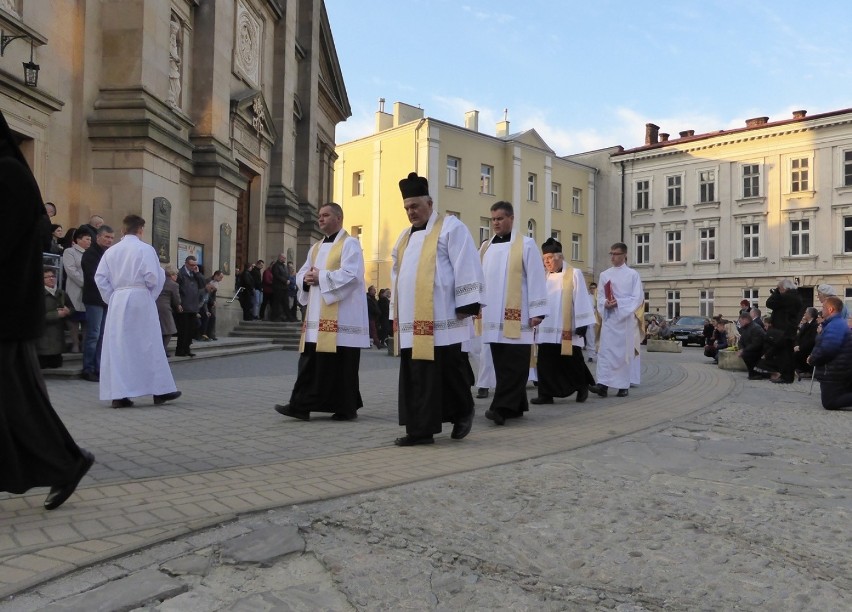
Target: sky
<point>590,74</point>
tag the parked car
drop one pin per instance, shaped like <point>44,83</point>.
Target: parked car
<point>689,330</point>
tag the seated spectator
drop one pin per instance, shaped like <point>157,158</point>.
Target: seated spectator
<point>652,331</point>
<point>750,344</point>
<point>832,357</point>
<point>805,340</point>
<point>51,344</point>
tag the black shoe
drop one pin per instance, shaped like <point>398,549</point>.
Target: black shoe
<point>582,393</point>
<point>90,376</point>
<point>482,393</point>
<point>462,427</point>
<point>541,400</point>
<point>755,377</point>
<point>601,390</point>
<point>122,403</point>
<point>286,410</point>
<point>162,399</point>
<point>621,393</point>
<point>409,440</point>
<point>337,416</point>
<point>783,381</point>
<point>58,495</point>
<point>498,418</point>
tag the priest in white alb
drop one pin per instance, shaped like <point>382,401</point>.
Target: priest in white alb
<point>560,337</point>
<point>516,298</point>
<point>335,327</point>
<point>437,289</point>
<point>133,360</point>
<point>620,294</point>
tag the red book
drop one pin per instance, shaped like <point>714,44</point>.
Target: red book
<point>608,291</point>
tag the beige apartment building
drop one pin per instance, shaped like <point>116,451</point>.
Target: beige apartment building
<point>213,119</point>
<point>468,171</point>
<point>710,219</point>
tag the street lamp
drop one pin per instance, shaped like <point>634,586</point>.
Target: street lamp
<point>30,68</point>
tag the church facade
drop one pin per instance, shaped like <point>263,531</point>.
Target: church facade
<point>213,119</point>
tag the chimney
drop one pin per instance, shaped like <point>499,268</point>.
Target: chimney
<point>664,137</point>
<point>471,120</point>
<point>799,114</point>
<point>687,133</point>
<point>405,113</point>
<point>756,122</point>
<point>503,126</point>
<point>651,132</point>
<point>384,121</point>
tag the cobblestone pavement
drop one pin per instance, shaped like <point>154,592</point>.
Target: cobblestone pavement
<point>701,490</point>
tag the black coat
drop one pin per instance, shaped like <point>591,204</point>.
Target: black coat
<point>191,289</point>
<point>751,341</point>
<point>89,262</point>
<point>786,311</point>
<point>806,337</point>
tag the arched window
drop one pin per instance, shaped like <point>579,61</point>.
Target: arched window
<point>531,229</point>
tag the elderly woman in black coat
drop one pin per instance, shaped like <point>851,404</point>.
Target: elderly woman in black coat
<point>35,448</point>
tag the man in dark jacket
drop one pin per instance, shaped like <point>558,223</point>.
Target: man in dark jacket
<point>805,340</point>
<point>191,283</point>
<point>95,306</point>
<point>786,305</point>
<point>832,357</point>
<point>750,345</point>
<point>280,283</point>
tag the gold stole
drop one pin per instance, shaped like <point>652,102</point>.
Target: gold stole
<point>423,342</point>
<point>639,313</point>
<point>567,310</point>
<point>512,310</point>
<point>327,329</point>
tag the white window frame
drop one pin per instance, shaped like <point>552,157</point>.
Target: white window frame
<point>800,237</point>
<point>672,303</point>
<point>706,300</point>
<point>707,186</point>
<point>846,238</point>
<point>576,201</point>
<point>800,175</point>
<point>531,227</point>
<point>532,187</point>
<point>846,170</point>
<point>484,229</point>
<point>752,239</point>
<point>753,297</point>
<point>453,172</point>
<point>751,175</point>
<point>706,244</point>
<point>576,247</point>
<point>358,183</point>
<point>556,196</point>
<point>642,199</point>
<point>642,247</point>
<point>674,190</point>
<point>556,235</point>
<point>674,246</point>
<point>486,179</point>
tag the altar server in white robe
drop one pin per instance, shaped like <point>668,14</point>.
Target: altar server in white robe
<point>516,298</point>
<point>620,294</point>
<point>437,280</point>
<point>133,360</point>
<point>560,337</point>
<point>335,327</point>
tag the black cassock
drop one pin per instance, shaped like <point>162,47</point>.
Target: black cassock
<point>328,382</point>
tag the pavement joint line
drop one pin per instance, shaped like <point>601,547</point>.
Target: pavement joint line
<point>279,484</point>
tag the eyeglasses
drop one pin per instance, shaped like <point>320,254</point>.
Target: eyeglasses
<point>611,254</point>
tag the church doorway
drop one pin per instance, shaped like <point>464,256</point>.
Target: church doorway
<point>244,211</point>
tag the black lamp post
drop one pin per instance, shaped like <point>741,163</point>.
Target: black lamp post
<point>30,68</point>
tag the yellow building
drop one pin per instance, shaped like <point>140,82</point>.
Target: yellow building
<point>468,171</point>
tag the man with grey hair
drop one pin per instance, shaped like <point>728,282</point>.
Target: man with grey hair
<point>786,306</point>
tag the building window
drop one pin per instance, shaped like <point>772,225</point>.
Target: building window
<point>673,245</point>
<point>577,201</point>
<point>672,303</point>
<point>673,190</point>
<point>576,247</point>
<point>753,297</point>
<point>847,234</point>
<point>847,168</point>
<point>643,195</point>
<point>799,175</point>
<point>486,180</point>
<point>556,235</point>
<point>707,186</point>
<point>453,172</point>
<point>356,232</point>
<point>751,240</point>
<point>705,302</point>
<point>453,213</point>
<point>531,229</point>
<point>800,237</point>
<point>532,179</point>
<point>556,196</point>
<point>484,229</point>
<point>707,244</point>
<point>751,181</point>
<point>647,301</point>
<point>358,183</point>
<point>643,248</point>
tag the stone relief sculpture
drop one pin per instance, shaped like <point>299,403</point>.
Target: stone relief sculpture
<point>10,6</point>
<point>173,98</point>
<point>247,43</point>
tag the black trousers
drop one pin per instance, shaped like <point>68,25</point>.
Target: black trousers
<point>512,369</point>
<point>187,323</point>
<point>328,382</point>
<point>561,375</point>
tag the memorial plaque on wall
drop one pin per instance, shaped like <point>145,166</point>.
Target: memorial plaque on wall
<point>161,228</point>
<point>225,249</point>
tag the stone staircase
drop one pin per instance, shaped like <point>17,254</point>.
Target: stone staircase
<point>286,335</point>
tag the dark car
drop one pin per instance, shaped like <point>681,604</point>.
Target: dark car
<point>689,330</point>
